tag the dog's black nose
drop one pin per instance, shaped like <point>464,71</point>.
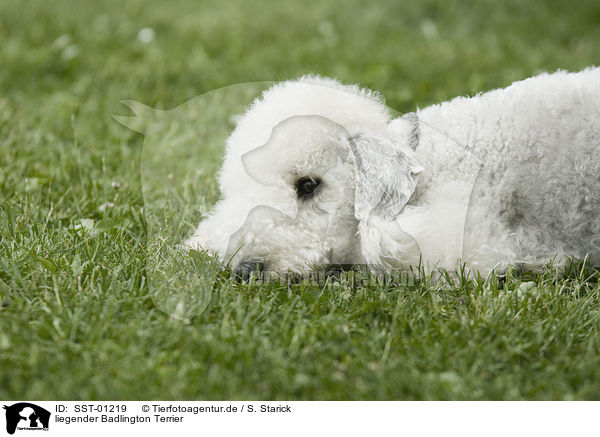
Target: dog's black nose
<point>244,269</point>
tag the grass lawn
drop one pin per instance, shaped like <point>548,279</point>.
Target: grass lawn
<point>78,227</point>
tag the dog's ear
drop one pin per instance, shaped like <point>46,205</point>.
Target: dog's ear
<point>385,178</point>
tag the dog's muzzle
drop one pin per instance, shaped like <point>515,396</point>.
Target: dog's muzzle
<point>245,269</point>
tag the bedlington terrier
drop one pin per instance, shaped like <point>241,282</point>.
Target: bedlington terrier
<point>317,172</point>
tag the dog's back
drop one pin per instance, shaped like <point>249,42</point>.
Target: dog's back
<point>538,190</point>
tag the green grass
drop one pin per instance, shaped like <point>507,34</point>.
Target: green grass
<point>77,317</point>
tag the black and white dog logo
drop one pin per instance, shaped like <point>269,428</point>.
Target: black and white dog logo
<point>26,416</point>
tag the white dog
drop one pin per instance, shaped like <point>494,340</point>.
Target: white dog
<point>316,172</point>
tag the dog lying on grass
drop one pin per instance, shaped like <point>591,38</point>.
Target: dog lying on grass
<point>317,172</point>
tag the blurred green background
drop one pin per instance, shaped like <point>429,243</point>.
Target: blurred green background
<point>76,319</point>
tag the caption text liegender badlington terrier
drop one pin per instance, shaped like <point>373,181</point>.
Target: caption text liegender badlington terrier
<point>317,172</point>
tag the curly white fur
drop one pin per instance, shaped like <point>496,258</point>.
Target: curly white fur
<point>509,176</point>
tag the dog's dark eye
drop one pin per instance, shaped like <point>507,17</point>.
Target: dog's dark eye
<point>306,186</point>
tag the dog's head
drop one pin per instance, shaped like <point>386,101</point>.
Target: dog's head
<point>313,175</point>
